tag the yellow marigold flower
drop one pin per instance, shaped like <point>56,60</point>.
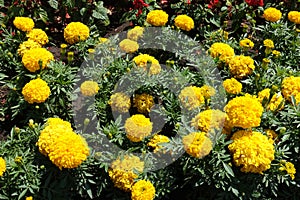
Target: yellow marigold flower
<point>290,86</point>
<point>197,144</point>
<point>252,151</point>
<point>142,190</point>
<point>275,101</point>
<point>297,98</point>
<point>289,168</point>
<point>2,166</point>
<point>294,16</point>
<point>38,35</point>
<point>209,119</point>
<point>103,40</point>
<point>36,59</point>
<point>269,43</point>
<point>241,66</point>
<point>119,102</point>
<point>191,97</point>
<point>272,14</point>
<point>157,17</point>
<point>129,46</point>
<point>142,61</point>
<point>29,198</point>
<point>27,45</point>
<point>221,51</point>
<point>138,127</point>
<point>184,22</point>
<point>207,91</point>
<point>264,94</point>
<point>232,86</point>
<point>244,112</point>
<point>89,88</point>
<point>75,32</point>
<point>135,33</point>
<point>156,142</point>
<point>246,43</point>
<point>143,102</point>
<point>25,24</point>
<point>276,53</point>
<point>36,91</point>
<point>18,159</point>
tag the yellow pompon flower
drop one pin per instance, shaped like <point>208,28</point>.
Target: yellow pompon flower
<point>208,120</point>
<point>264,94</point>
<point>38,35</point>
<point>143,103</point>
<point>142,190</point>
<point>157,18</point>
<point>123,171</point>
<point>207,91</point>
<point>197,144</point>
<point>275,101</point>
<point>272,14</point>
<point>252,151</point>
<point>290,86</point>
<point>244,112</point>
<point>221,51</point>
<point>156,142</point>
<point>289,168</point>
<point>129,46</point>
<point>36,59</point>
<point>142,61</point>
<point>232,86</point>
<point>184,22</point>
<point>269,43</point>
<point>138,127</point>
<point>119,102</point>
<point>135,33</point>
<point>36,91</point>
<point>294,16</point>
<point>2,166</point>
<point>27,45</point>
<point>25,24</point>
<point>191,97</point>
<point>75,32</point>
<point>89,88</point>
<point>241,66</point>
<point>29,198</point>
<point>276,53</point>
<point>246,43</point>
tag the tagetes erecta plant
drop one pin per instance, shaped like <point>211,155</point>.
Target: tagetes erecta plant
<point>89,88</point>
<point>2,166</point>
<point>184,22</point>
<point>76,32</point>
<point>142,61</point>
<point>36,59</point>
<point>157,18</point>
<point>38,35</point>
<point>119,102</point>
<point>36,91</point>
<point>25,24</point>
<point>143,190</point>
<point>138,127</point>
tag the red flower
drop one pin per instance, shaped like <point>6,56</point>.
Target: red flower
<point>212,4</point>
<point>255,2</point>
<point>139,4</point>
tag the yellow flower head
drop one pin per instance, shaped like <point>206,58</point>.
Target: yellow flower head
<point>119,102</point>
<point>27,45</point>
<point>272,14</point>
<point>269,43</point>
<point>36,59</point>
<point>191,97</point>
<point>207,91</point>
<point>103,40</point>
<point>275,101</point>
<point>156,142</point>
<point>2,166</point>
<point>241,66</point>
<point>129,46</point>
<point>252,151</point>
<point>25,24</point>
<point>184,22</point>
<point>29,198</point>
<point>143,102</point>
<point>197,144</point>
<point>264,94</point>
<point>290,86</point>
<point>246,43</point>
<point>135,33</point>
<point>142,190</point>
<point>276,53</point>
<point>289,168</point>
<point>294,16</point>
<point>36,91</point>
<point>38,35</point>
<point>142,61</point>
<point>244,112</point>
<point>157,17</point>
<point>221,51</point>
<point>75,32</point>
<point>138,127</point>
<point>89,88</point>
<point>232,86</point>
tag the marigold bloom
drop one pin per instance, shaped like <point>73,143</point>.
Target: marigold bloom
<point>191,97</point>
<point>129,46</point>
<point>29,198</point>
<point>138,127</point>
<point>119,102</point>
<point>241,66</point>
<point>142,190</point>
<point>27,45</point>
<point>89,88</point>
<point>75,32</point>
<point>207,91</point>
<point>135,33</point>
<point>272,14</point>
<point>244,112</point>
<point>25,24</point>
<point>221,51</point>
<point>142,61</point>
<point>2,166</point>
<point>246,43</point>
<point>276,53</point>
<point>264,94</point>
<point>197,144</point>
<point>157,17</point>
<point>103,40</point>
<point>275,101</point>
<point>290,86</point>
<point>269,43</point>
<point>36,59</point>
<point>156,142</point>
<point>143,102</point>
<point>38,35</point>
<point>232,86</point>
<point>184,22</point>
<point>289,168</point>
<point>36,91</point>
<point>252,151</point>
<point>294,16</point>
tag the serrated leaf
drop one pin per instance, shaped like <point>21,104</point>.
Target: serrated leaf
<point>53,3</point>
